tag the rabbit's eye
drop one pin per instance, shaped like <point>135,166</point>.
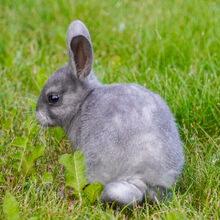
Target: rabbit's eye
<point>53,98</point>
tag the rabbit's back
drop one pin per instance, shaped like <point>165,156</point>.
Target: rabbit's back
<point>126,131</point>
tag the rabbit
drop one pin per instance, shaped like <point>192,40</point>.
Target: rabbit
<point>127,133</point>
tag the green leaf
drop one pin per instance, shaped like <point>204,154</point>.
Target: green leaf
<point>6,125</point>
<point>38,151</point>
<point>58,133</point>
<point>29,148</point>
<point>20,142</point>
<point>30,125</point>
<point>74,172</point>
<point>15,165</point>
<point>93,191</point>
<point>16,155</point>
<point>10,207</point>
<point>47,178</point>
<point>27,165</point>
<point>67,161</point>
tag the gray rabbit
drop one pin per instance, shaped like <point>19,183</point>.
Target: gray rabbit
<point>127,134</point>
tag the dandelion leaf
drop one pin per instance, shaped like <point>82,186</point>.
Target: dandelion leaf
<point>74,172</point>
<point>10,207</point>
<point>93,191</point>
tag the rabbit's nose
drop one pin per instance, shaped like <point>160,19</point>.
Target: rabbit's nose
<point>41,118</point>
<point>38,116</point>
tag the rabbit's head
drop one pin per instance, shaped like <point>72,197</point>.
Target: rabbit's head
<point>66,89</point>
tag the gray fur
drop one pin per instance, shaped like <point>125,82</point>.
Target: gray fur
<point>127,134</point>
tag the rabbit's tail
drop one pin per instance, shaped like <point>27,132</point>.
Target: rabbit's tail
<point>124,192</point>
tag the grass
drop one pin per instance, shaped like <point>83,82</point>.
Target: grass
<point>170,47</point>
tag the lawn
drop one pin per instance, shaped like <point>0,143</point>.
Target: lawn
<point>170,47</point>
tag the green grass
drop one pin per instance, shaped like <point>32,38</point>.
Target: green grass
<point>170,47</point>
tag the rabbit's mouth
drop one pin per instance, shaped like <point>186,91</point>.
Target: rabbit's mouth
<point>44,120</point>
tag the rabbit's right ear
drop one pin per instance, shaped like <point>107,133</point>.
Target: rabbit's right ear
<point>79,49</point>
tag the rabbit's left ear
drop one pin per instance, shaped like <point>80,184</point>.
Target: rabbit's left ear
<point>79,49</point>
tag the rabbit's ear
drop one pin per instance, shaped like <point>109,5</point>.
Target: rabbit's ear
<point>79,49</point>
